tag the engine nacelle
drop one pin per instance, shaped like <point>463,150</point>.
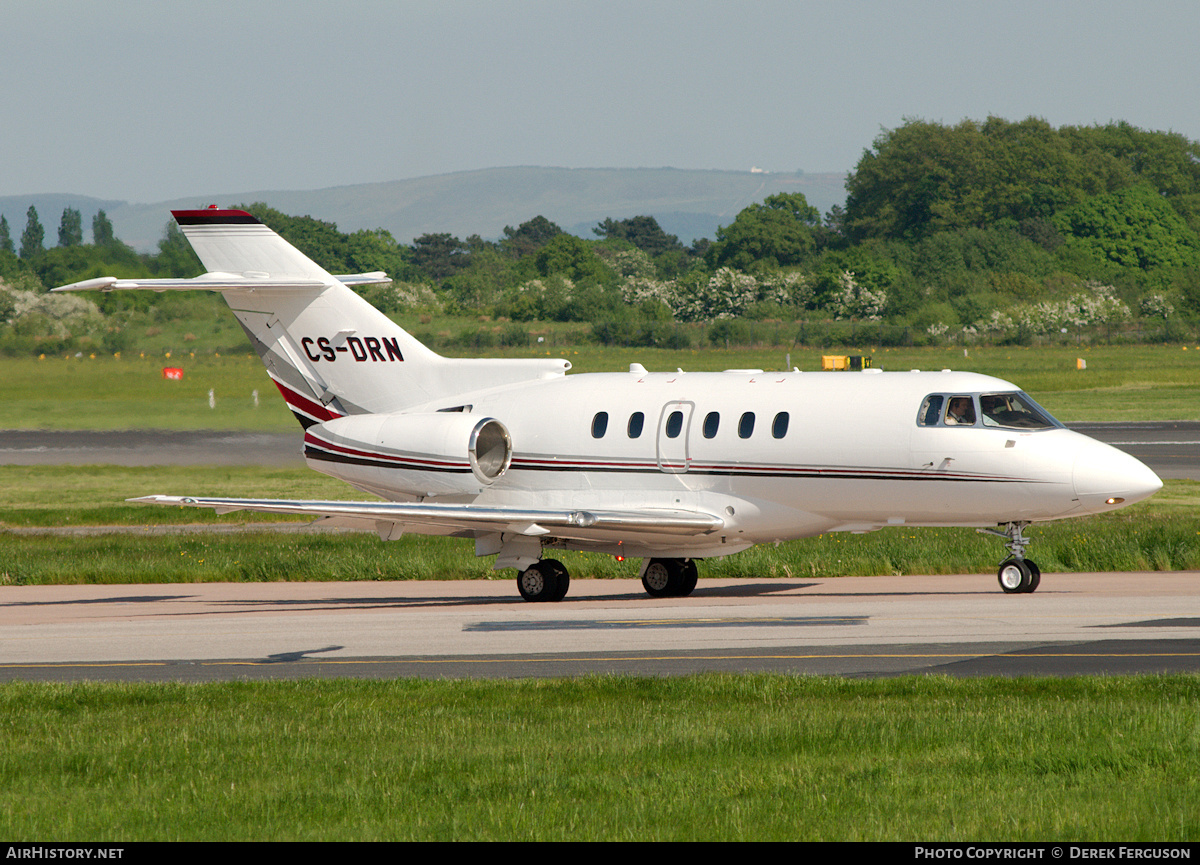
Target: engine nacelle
<point>423,453</point>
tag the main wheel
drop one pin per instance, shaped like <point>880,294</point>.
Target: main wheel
<point>1015,576</point>
<point>689,577</point>
<point>561,575</point>
<point>538,583</point>
<point>662,578</point>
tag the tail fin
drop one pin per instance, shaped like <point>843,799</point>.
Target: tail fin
<point>329,352</point>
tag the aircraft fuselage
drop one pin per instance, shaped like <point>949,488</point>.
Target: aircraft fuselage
<point>774,455</point>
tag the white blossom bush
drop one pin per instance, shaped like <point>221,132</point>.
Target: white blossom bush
<point>636,289</point>
<point>789,288</point>
<point>725,294</point>
<point>1036,317</point>
<point>629,263</point>
<point>854,300</point>
<point>549,298</point>
<point>1156,305</point>
<point>416,295</point>
<point>58,315</point>
<point>1098,305</point>
<point>996,323</point>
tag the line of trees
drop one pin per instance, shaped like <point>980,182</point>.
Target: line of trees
<point>994,230</point>
<point>70,232</point>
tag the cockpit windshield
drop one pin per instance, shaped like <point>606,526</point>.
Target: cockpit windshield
<point>1014,411</point>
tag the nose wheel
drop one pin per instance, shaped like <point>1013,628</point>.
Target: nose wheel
<point>1017,574</point>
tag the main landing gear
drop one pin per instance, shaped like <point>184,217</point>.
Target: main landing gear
<point>669,578</point>
<point>546,580</point>
<point>1017,574</point>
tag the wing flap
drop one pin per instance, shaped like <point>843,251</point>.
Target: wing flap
<point>582,524</point>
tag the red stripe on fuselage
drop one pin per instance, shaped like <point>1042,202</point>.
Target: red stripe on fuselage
<point>395,460</point>
<point>302,404</point>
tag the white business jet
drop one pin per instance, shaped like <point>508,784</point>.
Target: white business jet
<point>668,466</point>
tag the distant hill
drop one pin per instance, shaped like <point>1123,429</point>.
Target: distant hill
<point>687,203</point>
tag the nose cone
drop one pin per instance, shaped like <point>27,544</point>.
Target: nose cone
<point>1107,478</point>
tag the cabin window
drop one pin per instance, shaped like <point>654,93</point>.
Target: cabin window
<point>712,421</point>
<point>931,410</point>
<point>779,425</point>
<point>636,421</point>
<point>674,424</point>
<point>746,425</point>
<point>960,411</point>
<point>1013,410</point>
<point>599,424</point>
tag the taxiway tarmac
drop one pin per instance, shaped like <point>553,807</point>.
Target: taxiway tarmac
<point>859,626</point>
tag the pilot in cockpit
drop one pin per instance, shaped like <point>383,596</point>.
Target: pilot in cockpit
<point>960,411</point>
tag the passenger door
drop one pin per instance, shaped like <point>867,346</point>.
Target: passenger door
<point>674,424</point>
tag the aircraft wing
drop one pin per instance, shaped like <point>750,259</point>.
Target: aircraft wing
<point>219,282</point>
<point>386,517</point>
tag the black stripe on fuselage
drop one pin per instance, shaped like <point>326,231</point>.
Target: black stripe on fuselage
<point>313,453</point>
<point>828,474</point>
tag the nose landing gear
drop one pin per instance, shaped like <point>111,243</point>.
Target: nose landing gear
<point>1017,574</point>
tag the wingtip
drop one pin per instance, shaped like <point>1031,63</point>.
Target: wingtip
<point>99,284</point>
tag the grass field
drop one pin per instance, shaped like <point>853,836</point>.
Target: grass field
<point>1140,382</point>
<point>753,758</point>
<point>107,393</point>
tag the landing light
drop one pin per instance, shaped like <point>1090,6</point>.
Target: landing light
<point>1115,500</point>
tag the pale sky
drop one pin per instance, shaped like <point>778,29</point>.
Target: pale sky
<point>144,100</point>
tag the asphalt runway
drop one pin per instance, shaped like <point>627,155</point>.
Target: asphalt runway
<point>150,448</point>
<point>1171,448</point>
<point>854,626</point>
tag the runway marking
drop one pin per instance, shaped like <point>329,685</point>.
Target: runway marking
<point>617,624</point>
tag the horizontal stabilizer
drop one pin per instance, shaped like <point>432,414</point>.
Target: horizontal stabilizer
<point>220,282</point>
<point>561,523</point>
